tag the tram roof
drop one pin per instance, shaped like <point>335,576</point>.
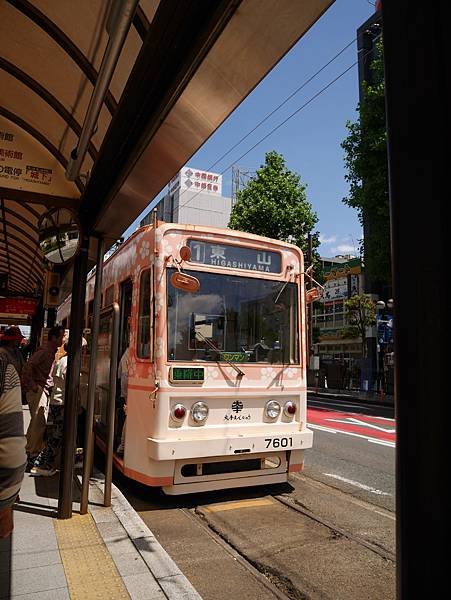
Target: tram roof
<point>184,67</point>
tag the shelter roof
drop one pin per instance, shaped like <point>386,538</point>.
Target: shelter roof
<point>184,67</point>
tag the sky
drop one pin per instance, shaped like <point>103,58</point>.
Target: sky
<point>310,140</point>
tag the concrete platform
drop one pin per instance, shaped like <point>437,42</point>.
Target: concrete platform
<point>108,554</point>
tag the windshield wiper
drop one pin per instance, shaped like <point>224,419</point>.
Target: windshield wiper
<point>281,290</point>
<point>213,347</point>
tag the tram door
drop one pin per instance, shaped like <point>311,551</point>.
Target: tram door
<point>125,311</point>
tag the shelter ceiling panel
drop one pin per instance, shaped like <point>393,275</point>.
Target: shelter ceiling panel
<point>26,267</point>
<point>20,255</point>
<point>30,107</point>
<point>127,59</point>
<point>34,52</point>
<point>83,22</point>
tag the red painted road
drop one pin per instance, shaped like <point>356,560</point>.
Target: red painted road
<point>364,425</point>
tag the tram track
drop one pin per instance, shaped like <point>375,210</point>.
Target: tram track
<point>297,506</point>
<point>270,577</point>
<point>275,555</point>
<point>274,581</point>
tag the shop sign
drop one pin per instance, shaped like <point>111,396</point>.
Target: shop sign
<point>18,307</point>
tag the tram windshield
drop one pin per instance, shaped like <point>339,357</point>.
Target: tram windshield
<point>232,318</point>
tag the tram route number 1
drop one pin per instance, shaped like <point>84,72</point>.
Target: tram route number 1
<point>285,442</point>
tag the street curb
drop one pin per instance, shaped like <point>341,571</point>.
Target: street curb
<point>350,398</point>
<point>173,583</point>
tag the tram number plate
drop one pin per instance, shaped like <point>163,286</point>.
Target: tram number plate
<point>285,442</point>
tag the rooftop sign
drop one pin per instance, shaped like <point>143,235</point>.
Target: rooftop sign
<point>197,181</point>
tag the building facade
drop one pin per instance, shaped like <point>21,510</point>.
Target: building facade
<point>344,277</point>
<point>194,197</point>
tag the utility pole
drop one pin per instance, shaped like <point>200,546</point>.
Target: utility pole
<point>235,183</point>
<point>238,175</point>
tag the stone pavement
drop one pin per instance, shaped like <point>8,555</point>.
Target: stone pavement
<point>107,554</point>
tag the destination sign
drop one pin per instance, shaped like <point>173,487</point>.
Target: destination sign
<point>235,257</point>
<point>186,374</point>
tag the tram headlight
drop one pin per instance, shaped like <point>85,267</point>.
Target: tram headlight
<point>289,409</point>
<point>199,412</point>
<point>272,409</point>
<point>178,412</point>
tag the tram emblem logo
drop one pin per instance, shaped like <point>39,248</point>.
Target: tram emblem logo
<point>237,406</point>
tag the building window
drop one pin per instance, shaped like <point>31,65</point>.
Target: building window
<point>143,341</point>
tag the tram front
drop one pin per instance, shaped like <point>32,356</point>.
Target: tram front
<point>230,360</point>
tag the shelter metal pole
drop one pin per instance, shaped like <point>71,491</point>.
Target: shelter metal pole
<point>111,406</point>
<point>73,381</point>
<point>418,102</point>
<point>89,436</point>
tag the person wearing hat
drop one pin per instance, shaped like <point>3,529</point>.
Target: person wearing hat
<point>10,340</point>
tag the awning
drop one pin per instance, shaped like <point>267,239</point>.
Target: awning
<point>184,67</point>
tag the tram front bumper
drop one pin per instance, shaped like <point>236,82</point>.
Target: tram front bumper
<point>181,448</point>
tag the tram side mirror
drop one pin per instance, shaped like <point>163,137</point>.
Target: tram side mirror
<point>185,253</point>
<point>184,282</point>
<point>59,235</point>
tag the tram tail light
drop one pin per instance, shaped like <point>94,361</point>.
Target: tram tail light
<point>289,409</point>
<point>178,412</point>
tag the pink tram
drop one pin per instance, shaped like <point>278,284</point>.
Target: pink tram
<point>214,322</point>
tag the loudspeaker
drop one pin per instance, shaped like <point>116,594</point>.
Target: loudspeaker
<point>51,296</point>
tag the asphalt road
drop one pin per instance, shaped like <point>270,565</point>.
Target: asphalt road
<point>361,466</point>
<point>328,534</point>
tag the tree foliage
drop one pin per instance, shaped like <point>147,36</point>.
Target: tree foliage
<point>274,204</point>
<point>361,313</point>
<point>367,172</point>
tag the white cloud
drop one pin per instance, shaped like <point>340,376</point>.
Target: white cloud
<point>327,240</point>
<point>344,249</point>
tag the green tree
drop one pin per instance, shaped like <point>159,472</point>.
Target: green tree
<point>361,313</point>
<point>274,204</point>
<point>367,172</point>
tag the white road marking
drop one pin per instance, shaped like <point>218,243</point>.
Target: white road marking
<point>363,423</point>
<point>321,485</point>
<point>382,443</point>
<point>352,434</point>
<point>321,428</point>
<point>362,486</point>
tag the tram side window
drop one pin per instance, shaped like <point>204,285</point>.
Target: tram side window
<point>109,295</point>
<point>143,342</point>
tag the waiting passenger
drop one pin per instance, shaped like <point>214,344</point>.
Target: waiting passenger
<point>10,340</point>
<point>122,373</point>
<point>37,382</point>
<point>12,442</point>
<point>44,465</point>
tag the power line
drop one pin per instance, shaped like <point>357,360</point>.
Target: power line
<point>270,114</point>
<point>282,103</point>
<point>282,123</point>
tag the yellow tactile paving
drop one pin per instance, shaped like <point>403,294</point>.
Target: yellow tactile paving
<point>90,570</point>
<point>237,505</point>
